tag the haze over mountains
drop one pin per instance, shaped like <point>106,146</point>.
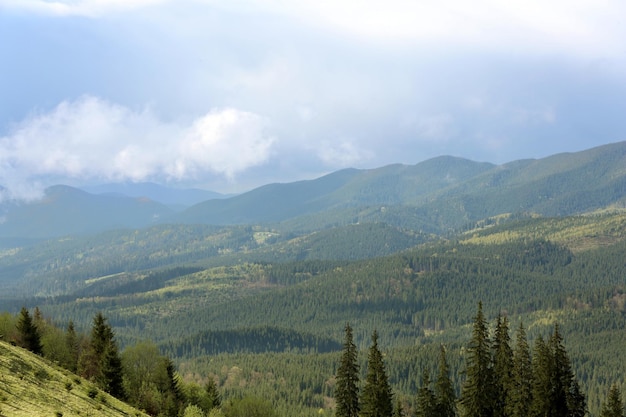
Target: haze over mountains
<point>435,195</point>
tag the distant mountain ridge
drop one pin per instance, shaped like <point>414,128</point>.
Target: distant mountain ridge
<point>66,210</point>
<point>446,191</point>
<point>171,197</point>
<point>437,195</point>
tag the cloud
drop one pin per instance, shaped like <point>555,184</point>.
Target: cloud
<point>582,26</point>
<point>92,139</point>
<point>344,153</point>
<point>85,8</point>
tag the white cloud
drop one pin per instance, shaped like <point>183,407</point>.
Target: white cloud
<point>577,26</point>
<point>92,139</point>
<point>228,141</point>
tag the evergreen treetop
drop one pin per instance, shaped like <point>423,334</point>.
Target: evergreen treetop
<point>347,388</point>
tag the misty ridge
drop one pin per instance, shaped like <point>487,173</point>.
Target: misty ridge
<point>437,195</point>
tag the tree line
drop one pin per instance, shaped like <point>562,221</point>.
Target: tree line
<point>501,380</point>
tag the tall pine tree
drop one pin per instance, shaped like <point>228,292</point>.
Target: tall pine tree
<point>445,395</point>
<point>563,375</point>
<point>541,403</point>
<point>347,388</point>
<point>426,404</point>
<point>477,396</point>
<point>377,398</point>
<point>556,392</point>
<point>72,345</point>
<point>502,366</point>
<point>519,396</point>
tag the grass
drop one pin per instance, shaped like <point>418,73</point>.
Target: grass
<point>31,386</point>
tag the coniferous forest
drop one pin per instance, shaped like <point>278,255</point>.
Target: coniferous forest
<point>500,376</point>
<point>371,310</point>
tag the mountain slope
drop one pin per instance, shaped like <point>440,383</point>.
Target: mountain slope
<point>441,195</point>
<point>32,387</point>
<point>171,197</point>
<point>65,210</point>
<point>444,192</point>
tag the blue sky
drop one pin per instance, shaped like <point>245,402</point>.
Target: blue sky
<point>231,94</point>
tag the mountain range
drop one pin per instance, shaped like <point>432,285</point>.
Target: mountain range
<point>254,289</point>
<point>438,195</point>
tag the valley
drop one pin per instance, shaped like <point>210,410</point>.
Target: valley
<point>253,291</point>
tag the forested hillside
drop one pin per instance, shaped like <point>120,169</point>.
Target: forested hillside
<point>273,328</point>
<point>260,308</point>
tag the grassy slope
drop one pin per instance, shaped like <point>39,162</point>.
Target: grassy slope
<point>30,386</point>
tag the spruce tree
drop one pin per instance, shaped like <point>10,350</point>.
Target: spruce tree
<point>568,392</point>
<point>72,345</point>
<point>477,396</point>
<point>502,366</point>
<point>561,374</point>
<point>347,388</point>
<point>541,404</point>
<point>426,404</point>
<point>212,395</point>
<point>556,392</point>
<point>613,406</point>
<point>112,372</point>
<point>101,362</point>
<point>445,395</point>
<point>519,396</point>
<point>29,337</point>
<point>377,398</point>
<point>170,389</point>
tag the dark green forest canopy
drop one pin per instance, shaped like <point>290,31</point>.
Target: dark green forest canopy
<point>259,311</point>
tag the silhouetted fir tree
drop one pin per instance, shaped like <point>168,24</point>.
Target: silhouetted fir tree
<point>613,407</point>
<point>561,374</point>
<point>567,395</point>
<point>502,365</point>
<point>377,398</point>
<point>445,395</point>
<point>575,402</point>
<point>520,392</point>
<point>426,403</point>
<point>477,396</point>
<point>347,388</point>
<point>29,337</point>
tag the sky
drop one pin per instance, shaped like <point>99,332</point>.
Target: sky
<point>228,95</point>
